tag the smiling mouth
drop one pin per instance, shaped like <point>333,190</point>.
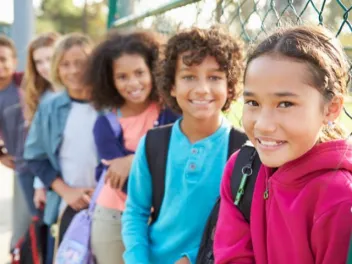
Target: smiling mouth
<point>270,143</point>
<point>136,92</point>
<point>201,102</point>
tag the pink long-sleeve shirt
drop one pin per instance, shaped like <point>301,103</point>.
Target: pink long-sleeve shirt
<point>306,219</point>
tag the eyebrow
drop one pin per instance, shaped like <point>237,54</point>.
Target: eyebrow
<point>280,94</point>
<point>183,68</point>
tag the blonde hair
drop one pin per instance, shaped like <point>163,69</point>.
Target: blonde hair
<point>33,84</point>
<point>63,45</point>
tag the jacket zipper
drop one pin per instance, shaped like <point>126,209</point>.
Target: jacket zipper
<point>266,192</point>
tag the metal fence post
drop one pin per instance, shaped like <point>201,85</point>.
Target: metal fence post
<point>22,29</point>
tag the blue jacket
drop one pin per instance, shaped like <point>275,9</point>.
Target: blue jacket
<point>45,137</point>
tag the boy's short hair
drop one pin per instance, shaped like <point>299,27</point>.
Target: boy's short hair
<point>228,52</point>
<point>6,42</point>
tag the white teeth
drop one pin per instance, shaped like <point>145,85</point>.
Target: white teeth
<point>136,92</point>
<point>270,143</point>
<point>203,102</point>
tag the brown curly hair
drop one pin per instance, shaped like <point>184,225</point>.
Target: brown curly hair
<point>99,73</point>
<point>199,43</point>
<point>327,62</point>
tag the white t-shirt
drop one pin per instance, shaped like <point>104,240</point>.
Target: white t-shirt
<point>78,154</point>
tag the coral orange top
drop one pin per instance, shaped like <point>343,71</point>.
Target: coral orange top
<point>133,128</point>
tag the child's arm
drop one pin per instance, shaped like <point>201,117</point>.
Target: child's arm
<point>35,153</point>
<point>138,206</point>
<point>107,145</point>
<point>39,164</point>
<point>232,243</point>
<point>331,234</point>
<point>112,153</point>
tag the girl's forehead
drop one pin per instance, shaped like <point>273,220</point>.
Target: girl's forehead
<point>277,69</point>
<point>269,76</point>
<point>74,52</point>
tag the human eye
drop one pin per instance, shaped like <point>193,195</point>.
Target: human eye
<point>79,63</point>
<point>188,77</point>
<point>285,104</point>
<point>121,77</point>
<point>139,72</point>
<point>64,64</point>
<point>215,78</point>
<point>251,103</point>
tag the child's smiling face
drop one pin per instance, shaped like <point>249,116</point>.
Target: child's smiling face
<point>200,90</point>
<point>283,113</point>
<point>132,78</point>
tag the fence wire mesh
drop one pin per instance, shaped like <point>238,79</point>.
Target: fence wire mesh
<point>249,19</point>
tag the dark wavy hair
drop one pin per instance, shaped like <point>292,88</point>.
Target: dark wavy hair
<point>317,47</point>
<point>199,43</point>
<point>99,73</point>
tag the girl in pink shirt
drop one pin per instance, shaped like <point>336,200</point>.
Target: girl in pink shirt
<point>120,75</point>
<point>294,88</point>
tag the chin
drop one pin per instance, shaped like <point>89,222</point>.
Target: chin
<point>274,161</point>
<point>139,101</point>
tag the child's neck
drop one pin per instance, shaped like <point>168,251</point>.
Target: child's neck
<point>5,82</point>
<point>197,130</point>
<point>83,95</point>
<point>130,109</point>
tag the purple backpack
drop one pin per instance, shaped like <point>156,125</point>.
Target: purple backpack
<point>75,246</point>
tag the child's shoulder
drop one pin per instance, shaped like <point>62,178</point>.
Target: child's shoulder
<point>332,188</point>
<point>55,100</point>
<point>167,116</point>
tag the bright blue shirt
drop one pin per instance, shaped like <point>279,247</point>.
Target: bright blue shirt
<point>192,185</point>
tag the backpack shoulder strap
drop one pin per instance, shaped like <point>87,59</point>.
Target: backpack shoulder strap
<point>244,176</point>
<point>114,123</point>
<point>236,140</point>
<point>17,78</point>
<point>157,145</point>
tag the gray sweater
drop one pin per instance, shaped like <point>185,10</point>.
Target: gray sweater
<point>12,125</point>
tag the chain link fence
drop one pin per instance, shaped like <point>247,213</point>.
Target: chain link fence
<point>252,20</point>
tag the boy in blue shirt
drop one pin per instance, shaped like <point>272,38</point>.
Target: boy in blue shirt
<point>198,77</point>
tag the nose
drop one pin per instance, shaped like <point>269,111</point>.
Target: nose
<point>202,86</point>
<point>265,122</point>
<point>133,81</point>
<point>75,69</point>
<point>47,65</point>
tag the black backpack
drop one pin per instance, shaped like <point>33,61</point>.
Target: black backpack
<point>243,179</point>
<point>31,248</point>
<point>157,145</point>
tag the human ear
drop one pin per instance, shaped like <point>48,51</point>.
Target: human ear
<point>333,109</point>
<point>173,91</point>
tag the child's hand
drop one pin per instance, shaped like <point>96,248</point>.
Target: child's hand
<point>39,198</point>
<point>8,161</point>
<point>77,198</point>
<point>118,171</point>
<point>183,260</point>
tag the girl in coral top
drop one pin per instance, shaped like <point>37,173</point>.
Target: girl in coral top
<point>120,74</point>
<point>294,89</point>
